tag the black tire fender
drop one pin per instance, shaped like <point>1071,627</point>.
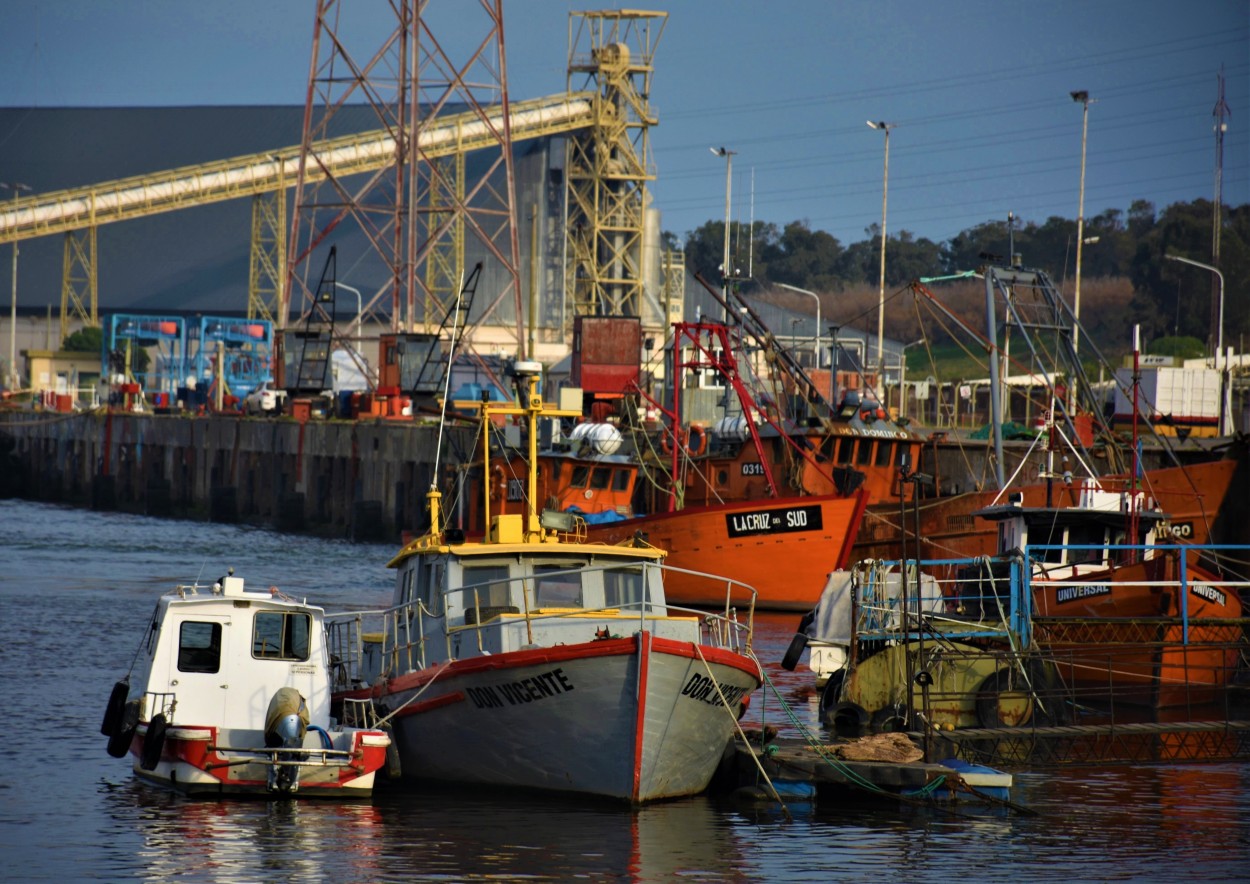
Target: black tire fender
<point>991,709</point>
<point>113,710</point>
<point>153,743</point>
<point>121,738</point>
<point>798,644</point>
<point>849,718</point>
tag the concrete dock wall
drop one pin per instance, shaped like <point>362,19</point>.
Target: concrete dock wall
<point>361,479</point>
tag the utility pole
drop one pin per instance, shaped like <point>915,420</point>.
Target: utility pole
<point>14,380</point>
<point>885,189</point>
<point>726,269</point>
<point>1217,221</point>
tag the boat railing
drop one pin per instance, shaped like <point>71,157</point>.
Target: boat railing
<point>158,703</point>
<point>898,601</point>
<point>402,635</point>
<point>396,633</point>
<point>1195,572</point>
<point>343,640</point>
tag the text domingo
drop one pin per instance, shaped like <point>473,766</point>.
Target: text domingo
<point>517,693</point>
<point>702,688</point>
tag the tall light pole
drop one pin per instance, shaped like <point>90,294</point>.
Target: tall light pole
<point>726,270</point>
<point>885,190</point>
<point>1220,359</point>
<point>13,378</point>
<point>816,298</point>
<point>356,292</point>
<point>1083,98</point>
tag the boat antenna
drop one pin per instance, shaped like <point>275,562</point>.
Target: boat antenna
<point>433,495</point>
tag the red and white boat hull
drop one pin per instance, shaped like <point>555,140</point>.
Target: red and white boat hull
<point>198,761</point>
<point>637,718</point>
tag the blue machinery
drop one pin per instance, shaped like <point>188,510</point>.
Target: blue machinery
<point>164,337</point>
<point>244,347</point>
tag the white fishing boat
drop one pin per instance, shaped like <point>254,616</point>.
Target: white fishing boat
<point>532,659</point>
<point>233,698</point>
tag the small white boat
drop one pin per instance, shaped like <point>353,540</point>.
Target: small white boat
<point>234,699</point>
<point>532,659</point>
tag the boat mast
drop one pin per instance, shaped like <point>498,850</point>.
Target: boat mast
<point>996,413</point>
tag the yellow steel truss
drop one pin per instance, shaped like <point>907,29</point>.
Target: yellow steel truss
<point>79,286</point>
<point>609,163</point>
<point>268,264</point>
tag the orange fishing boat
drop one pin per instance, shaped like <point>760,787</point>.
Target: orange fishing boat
<point>812,534</point>
<point>1124,618</point>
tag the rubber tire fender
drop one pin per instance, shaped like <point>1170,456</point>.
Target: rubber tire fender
<point>889,720</point>
<point>849,718</point>
<point>113,710</point>
<point>153,743</point>
<point>121,738</point>
<point>798,645</point>
<point>987,700</point>
<point>831,693</point>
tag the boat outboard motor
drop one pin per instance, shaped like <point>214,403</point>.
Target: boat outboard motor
<point>286,722</point>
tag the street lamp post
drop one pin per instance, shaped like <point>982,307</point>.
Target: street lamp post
<point>726,270</point>
<point>885,189</point>
<point>1083,98</point>
<point>1221,361</point>
<point>13,378</point>
<point>816,298</point>
<point>356,292</point>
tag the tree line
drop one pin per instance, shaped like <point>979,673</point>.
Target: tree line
<point>1167,298</point>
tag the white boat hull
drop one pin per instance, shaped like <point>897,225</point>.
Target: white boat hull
<point>636,719</point>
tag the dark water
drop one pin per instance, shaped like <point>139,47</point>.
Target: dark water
<point>76,588</point>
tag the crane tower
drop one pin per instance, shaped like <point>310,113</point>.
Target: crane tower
<point>611,54</point>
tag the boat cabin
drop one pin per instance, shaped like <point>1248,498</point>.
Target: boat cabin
<point>204,639</point>
<point>1083,537</point>
<point>455,598</point>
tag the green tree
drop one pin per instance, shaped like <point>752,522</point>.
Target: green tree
<point>88,339</point>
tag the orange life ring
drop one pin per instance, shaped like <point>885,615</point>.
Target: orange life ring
<point>693,447</point>
<point>695,441</point>
<point>498,483</point>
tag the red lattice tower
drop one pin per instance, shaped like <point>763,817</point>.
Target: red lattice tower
<point>396,184</point>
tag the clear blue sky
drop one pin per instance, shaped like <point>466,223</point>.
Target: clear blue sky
<point>978,90</point>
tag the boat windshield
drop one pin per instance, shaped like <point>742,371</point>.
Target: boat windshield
<point>281,635</point>
<point>624,587</point>
<point>557,587</point>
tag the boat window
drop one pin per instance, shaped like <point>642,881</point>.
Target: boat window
<point>863,455</point>
<point>624,587</point>
<point>486,586</point>
<point>620,480</point>
<point>885,454</point>
<point>429,586</point>
<point>199,647</point>
<point>1086,535</point>
<point>846,448</point>
<point>563,590</point>
<point>281,635</point>
<point>580,474</point>
<point>599,479</point>
<point>1047,535</point>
